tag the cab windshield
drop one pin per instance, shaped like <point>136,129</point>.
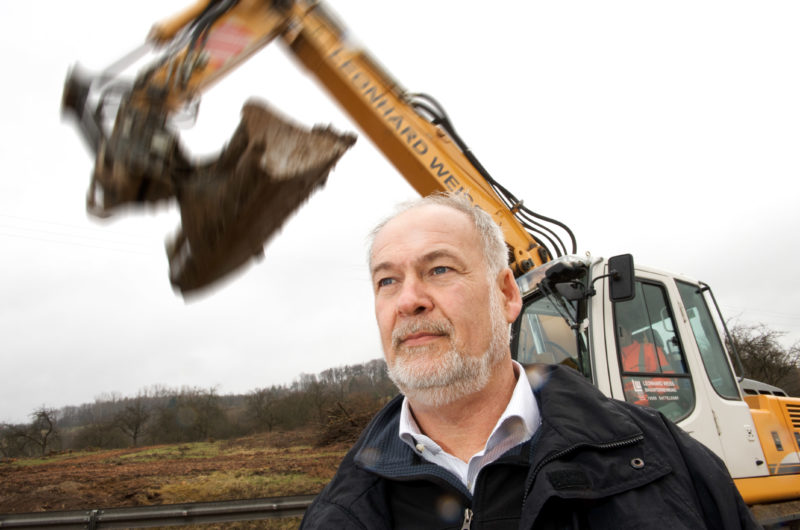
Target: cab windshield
<point>552,326</point>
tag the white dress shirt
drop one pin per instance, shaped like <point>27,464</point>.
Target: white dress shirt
<point>516,425</point>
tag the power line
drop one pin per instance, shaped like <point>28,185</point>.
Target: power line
<point>85,228</point>
<point>47,231</point>
<point>772,314</point>
<point>77,244</point>
<point>32,229</point>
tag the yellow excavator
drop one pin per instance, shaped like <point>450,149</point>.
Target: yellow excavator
<point>580,311</point>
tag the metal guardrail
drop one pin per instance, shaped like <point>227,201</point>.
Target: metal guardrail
<point>230,511</point>
<point>163,515</point>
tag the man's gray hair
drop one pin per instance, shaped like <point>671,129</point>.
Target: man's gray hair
<point>493,244</point>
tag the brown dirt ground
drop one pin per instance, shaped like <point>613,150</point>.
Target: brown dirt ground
<point>106,480</point>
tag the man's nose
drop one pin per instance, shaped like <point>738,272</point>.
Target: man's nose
<point>413,298</point>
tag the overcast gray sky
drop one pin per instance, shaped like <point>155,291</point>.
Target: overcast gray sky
<point>666,129</point>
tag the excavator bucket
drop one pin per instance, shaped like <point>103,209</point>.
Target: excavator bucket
<point>231,206</point>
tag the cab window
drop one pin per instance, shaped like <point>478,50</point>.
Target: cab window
<point>650,354</point>
<point>543,336</point>
<point>715,361</point>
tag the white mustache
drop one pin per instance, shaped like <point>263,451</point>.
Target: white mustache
<point>436,327</point>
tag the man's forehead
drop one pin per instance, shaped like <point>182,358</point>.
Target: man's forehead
<point>424,233</point>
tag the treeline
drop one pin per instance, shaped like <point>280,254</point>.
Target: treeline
<point>764,358</point>
<point>335,404</point>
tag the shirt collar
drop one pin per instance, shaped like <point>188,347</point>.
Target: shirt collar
<point>519,420</point>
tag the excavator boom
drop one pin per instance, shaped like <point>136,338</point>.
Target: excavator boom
<point>231,206</point>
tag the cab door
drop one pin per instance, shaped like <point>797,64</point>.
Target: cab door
<point>731,415</point>
<point>664,352</point>
<point>649,363</point>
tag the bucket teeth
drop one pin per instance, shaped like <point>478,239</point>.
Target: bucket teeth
<point>230,207</point>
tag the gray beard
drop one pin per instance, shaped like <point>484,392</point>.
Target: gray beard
<point>440,380</point>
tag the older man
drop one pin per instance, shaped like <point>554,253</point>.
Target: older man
<point>470,443</point>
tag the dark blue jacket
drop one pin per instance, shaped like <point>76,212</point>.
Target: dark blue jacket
<point>593,463</point>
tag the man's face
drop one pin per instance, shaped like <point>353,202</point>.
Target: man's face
<point>437,309</point>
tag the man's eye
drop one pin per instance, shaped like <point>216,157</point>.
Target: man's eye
<point>441,269</point>
<point>383,282</point>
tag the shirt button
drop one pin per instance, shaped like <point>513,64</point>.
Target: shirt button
<point>420,447</point>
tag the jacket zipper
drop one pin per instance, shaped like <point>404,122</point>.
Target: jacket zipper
<point>467,519</point>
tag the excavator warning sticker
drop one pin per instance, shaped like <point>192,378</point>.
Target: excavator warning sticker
<point>227,41</point>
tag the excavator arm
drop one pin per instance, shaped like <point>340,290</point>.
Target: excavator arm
<point>232,205</point>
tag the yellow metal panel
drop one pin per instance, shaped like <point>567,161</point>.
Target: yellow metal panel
<point>758,490</point>
<point>777,428</point>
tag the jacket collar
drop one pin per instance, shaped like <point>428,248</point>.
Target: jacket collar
<point>575,415</point>
<point>575,412</point>
<point>381,451</point>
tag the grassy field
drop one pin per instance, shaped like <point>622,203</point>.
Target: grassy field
<point>252,467</point>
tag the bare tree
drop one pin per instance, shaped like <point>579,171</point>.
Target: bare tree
<point>11,444</point>
<point>132,419</point>
<point>314,392</point>
<point>207,411</point>
<point>41,432</point>
<point>763,357</point>
<point>262,407</point>
<point>337,379</point>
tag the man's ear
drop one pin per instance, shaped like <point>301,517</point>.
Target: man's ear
<point>512,300</point>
